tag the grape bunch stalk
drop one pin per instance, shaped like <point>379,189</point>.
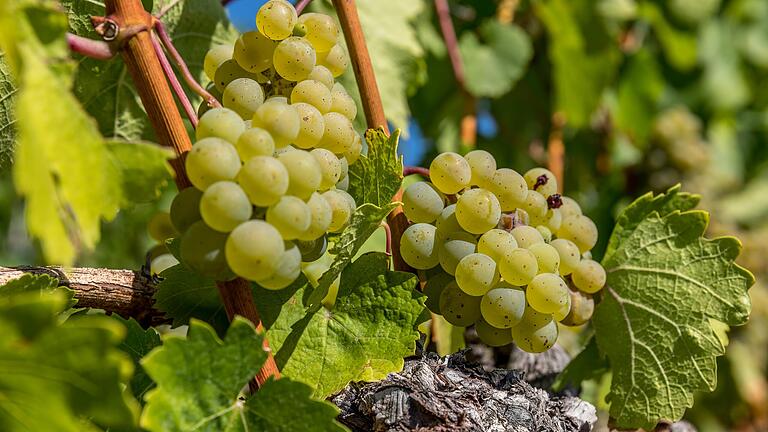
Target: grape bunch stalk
<point>510,256</point>
<point>269,169</point>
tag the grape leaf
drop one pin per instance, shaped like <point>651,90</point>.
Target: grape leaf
<point>494,62</point>
<point>199,381</point>
<point>7,131</point>
<point>665,283</point>
<point>138,343</point>
<point>376,177</point>
<point>680,47</point>
<point>365,336</point>
<point>184,294</point>
<point>144,169</point>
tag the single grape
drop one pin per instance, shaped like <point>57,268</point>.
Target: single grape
<point>264,180</point>
<point>547,257</point>
<point>569,255</point>
<point>569,207</point>
<point>580,230</point>
<point>311,126</point>
<point>519,267</point>
<point>255,142</point>
<point>243,96</point>
<point>230,71</point>
<point>476,274</point>
<point>422,202</point>
<point>564,310</point>
<point>554,220</point>
<point>294,58</point>
<point>353,154</point>
<point>322,215</point>
<point>279,119</point>
<point>303,172</point>
<point>291,216</point>
<point>527,236</point>
<point>322,74</point>
<point>450,172</point>
<point>541,180</point>
<point>330,167</point>
<point>496,243</point>
<point>314,93</point>
<point>161,228</point>
<point>419,246</point>
<point>545,232</point>
<point>433,288</point>
<point>215,56</point>
<point>224,206</point>
<point>253,250</point>
<point>312,250</point>
<point>343,184</point>
<point>503,306</point>
<point>582,308</point>
<point>458,307</point>
<point>276,19</point>
<point>202,250</point>
<point>589,276</point>
<point>547,293</point>
<point>491,335</point>
<point>336,60</point>
<point>509,187</point>
<point>483,166</point>
<point>161,263</point>
<point>536,332</point>
<point>342,209</point>
<point>220,123</point>
<point>446,222</point>
<point>536,206</point>
<point>339,135</point>
<point>478,211</point>
<point>253,52</point>
<point>185,208</point>
<point>287,269</point>
<point>343,103</point>
<point>319,29</point>
<point>211,160</point>
<point>455,246</point>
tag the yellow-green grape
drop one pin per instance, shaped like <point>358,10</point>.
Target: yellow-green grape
<point>255,142</point>
<point>211,160</point>
<point>450,172</point>
<point>545,232</point>
<point>433,288</point>
<point>253,250</point>
<point>454,247</point>
<point>279,119</point>
<point>503,306</point>
<point>541,180</point>
<point>264,180</point>
<point>276,19</point>
<point>162,262</point>
<point>458,307</point>
<point>519,267</point>
<point>160,227</point>
<point>342,103</point>
<point>491,335</point>
<point>547,293</point>
<point>330,167</point>
<point>319,29</point>
<point>536,206</point>
<point>220,123</point>
<point>563,311</point>
<point>343,161</point>
<point>476,274</point>
<point>314,93</point>
<point>202,250</point>
<point>341,209</point>
<point>554,219</point>
<point>580,230</point>
<point>215,56</point>
<point>322,74</point>
<point>311,126</point>
<point>304,174</point>
<point>422,202</point>
<point>582,308</point>
<point>313,250</point>
<point>339,135</point>
<point>243,96</point>
<point>589,276</point>
<point>483,167</point>
<point>536,332</point>
<point>478,211</point>
<point>353,154</point>
<point>253,52</point>
<point>294,58</point>
<point>343,184</point>
<point>527,236</point>
<point>321,216</point>
<point>185,208</point>
<point>569,255</point>
<point>419,246</point>
<point>496,243</point>
<point>336,60</point>
<point>287,269</point>
<point>569,207</point>
<point>509,187</point>
<point>446,222</point>
<point>224,206</point>
<point>547,257</point>
<point>230,71</point>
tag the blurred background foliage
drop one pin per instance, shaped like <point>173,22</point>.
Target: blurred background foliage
<point>638,95</point>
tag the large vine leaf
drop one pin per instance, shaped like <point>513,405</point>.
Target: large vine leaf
<point>138,343</point>
<point>144,170</point>
<point>184,294</point>
<point>7,96</point>
<point>665,283</point>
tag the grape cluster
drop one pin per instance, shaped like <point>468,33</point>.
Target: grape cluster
<point>269,168</point>
<point>510,255</point>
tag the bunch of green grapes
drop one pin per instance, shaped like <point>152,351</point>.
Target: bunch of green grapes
<point>269,169</point>
<point>160,229</point>
<point>513,280</point>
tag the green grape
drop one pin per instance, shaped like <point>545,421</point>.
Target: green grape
<point>276,19</point>
<point>220,123</point>
<point>303,172</point>
<point>343,103</point>
<point>450,172</point>
<point>491,335</point>
<point>422,202</point>
<point>582,308</point>
<point>224,206</point>
<point>322,215</point>
<point>319,29</point>
<point>291,216</point>
<point>342,209</point>
<point>253,52</point>
<point>322,74</point>
<point>294,58</point>
<point>204,107</point>
<point>215,56</point>
<point>547,293</point>
<point>311,126</point>
<point>243,96</point>
<point>496,243</point>
<point>527,236</point>
<point>314,93</point>
<point>230,71</point>
<point>536,206</point>
<point>433,288</point>
<point>483,166</point>
<point>541,180</point>
<point>554,219</point>
<point>287,269</point>
<point>580,230</point>
<point>279,119</point>
<point>536,332</point>
<point>503,306</point>
<point>455,246</point>
<point>478,211</point>
<point>547,257</point>
<point>419,246</point>
<point>211,160</point>
<point>446,222</point>
<point>161,228</point>
<point>343,184</point>
<point>589,276</point>
<point>569,255</point>
<point>253,250</point>
<point>509,187</point>
<point>546,234</point>
<point>458,307</point>
<point>255,142</point>
<point>312,250</point>
<point>569,208</point>
<point>476,274</point>
<point>264,180</point>
<point>336,60</point>
<point>202,250</point>
<point>564,310</point>
<point>161,263</point>
<point>519,267</point>
<point>353,154</point>
<point>185,208</point>
<point>330,167</point>
<point>339,135</point>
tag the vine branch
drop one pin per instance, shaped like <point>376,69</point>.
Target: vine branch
<point>175,84</point>
<point>94,49</point>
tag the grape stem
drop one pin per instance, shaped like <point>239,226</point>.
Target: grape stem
<point>94,49</point>
<point>410,170</point>
<point>300,6</point>
<point>175,84</point>
<point>388,234</point>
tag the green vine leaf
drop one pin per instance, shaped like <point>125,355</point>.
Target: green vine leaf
<point>8,92</point>
<point>376,177</point>
<point>184,294</point>
<point>665,283</point>
<point>144,169</point>
<point>139,342</point>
